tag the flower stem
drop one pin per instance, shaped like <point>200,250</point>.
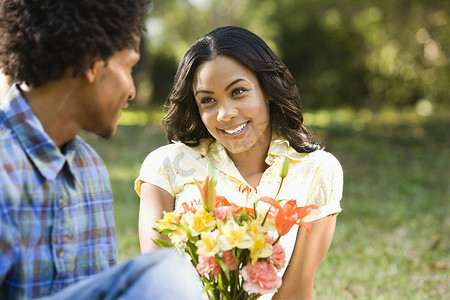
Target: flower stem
<point>276,241</point>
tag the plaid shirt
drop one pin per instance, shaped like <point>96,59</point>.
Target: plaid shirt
<point>56,208</point>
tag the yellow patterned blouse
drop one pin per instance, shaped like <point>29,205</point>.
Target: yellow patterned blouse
<point>313,178</point>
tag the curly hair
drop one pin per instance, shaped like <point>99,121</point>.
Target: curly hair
<point>41,39</point>
<point>183,122</point>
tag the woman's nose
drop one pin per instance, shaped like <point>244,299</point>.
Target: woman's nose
<point>226,112</point>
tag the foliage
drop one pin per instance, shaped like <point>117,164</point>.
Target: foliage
<point>360,53</point>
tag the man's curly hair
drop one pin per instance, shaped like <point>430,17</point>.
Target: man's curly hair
<point>41,39</point>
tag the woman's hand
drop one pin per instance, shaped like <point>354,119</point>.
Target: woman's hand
<point>154,200</point>
<point>308,254</point>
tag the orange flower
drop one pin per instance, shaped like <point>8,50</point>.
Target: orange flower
<point>222,201</point>
<point>190,207</point>
<point>290,214</point>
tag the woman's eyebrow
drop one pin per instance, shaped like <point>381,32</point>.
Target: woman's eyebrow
<point>233,83</point>
<point>226,88</point>
<point>203,91</point>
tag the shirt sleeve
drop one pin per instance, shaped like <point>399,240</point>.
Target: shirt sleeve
<point>326,187</point>
<point>156,169</point>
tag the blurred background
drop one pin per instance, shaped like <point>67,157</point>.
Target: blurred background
<point>353,53</point>
<point>374,79</point>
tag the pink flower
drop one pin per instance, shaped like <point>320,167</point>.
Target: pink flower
<point>260,278</point>
<point>278,257</point>
<point>223,212</point>
<point>208,264</point>
<point>228,259</point>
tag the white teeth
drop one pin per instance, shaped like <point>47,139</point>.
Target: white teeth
<point>237,129</point>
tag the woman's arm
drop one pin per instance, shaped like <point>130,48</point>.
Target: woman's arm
<point>308,254</point>
<point>154,200</point>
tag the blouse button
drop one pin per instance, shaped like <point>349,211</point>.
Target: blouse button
<point>270,159</point>
<point>60,252</point>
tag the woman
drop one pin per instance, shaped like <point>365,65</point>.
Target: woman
<point>236,105</point>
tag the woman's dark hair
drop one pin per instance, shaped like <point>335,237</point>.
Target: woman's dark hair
<point>183,122</point>
<point>40,40</point>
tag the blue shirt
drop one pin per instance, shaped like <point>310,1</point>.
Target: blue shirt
<point>56,207</point>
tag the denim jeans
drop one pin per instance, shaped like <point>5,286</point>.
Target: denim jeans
<point>160,274</point>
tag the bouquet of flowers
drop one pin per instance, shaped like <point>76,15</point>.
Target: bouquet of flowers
<point>234,249</point>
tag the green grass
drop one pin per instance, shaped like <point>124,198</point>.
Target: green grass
<point>392,239</point>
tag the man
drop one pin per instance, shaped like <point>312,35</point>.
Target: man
<point>72,63</point>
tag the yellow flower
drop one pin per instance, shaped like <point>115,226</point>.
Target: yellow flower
<point>207,245</point>
<point>254,227</point>
<point>198,222</point>
<point>166,222</point>
<point>232,235</point>
<point>259,248</point>
<point>178,236</point>
<point>258,234</point>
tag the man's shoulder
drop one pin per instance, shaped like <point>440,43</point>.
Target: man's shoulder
<point>13,163</point>
<point>10,148</point>
<point>85,153</point>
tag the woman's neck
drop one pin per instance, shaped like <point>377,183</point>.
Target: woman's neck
<point>251,164</point>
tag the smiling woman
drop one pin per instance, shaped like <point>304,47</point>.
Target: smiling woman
<point>235,105</point>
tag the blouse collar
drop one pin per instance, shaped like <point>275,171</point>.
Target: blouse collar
<point>215,153</point>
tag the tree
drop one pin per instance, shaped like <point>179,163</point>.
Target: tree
<point>352,52</point>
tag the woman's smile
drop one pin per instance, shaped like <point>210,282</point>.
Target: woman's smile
<point>240,129</point>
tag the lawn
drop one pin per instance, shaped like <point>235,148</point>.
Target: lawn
<point>392,239</point>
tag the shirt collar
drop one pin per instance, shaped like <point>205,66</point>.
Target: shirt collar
<point>279,146</point>
<point>40,148</point>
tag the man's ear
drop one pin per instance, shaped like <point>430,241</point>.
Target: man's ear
<point>92,72</point>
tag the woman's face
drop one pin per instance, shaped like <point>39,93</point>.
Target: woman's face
<point>232,105</point>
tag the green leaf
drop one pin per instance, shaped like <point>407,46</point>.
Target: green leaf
<point>208,287</point>
<point>235,218</point>
<point>163,243</point>
<point>244,217</point>
<point>184,228</point>
<point>220,283</point>
<point>225,270</point>
<point>166,231</point>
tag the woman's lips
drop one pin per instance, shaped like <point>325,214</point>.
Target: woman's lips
<point>236,132</point>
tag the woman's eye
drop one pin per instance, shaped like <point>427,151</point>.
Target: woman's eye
<point>237,91</point>
<point>206,100</point>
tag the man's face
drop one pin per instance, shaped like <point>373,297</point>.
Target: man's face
<point>112,88</point>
